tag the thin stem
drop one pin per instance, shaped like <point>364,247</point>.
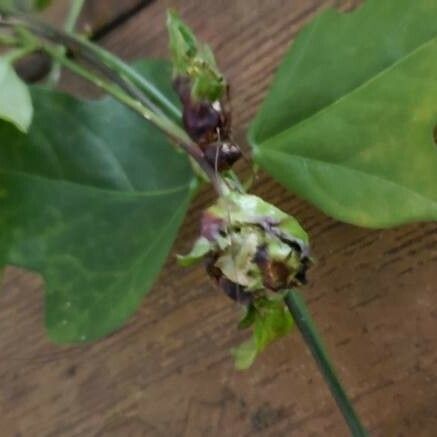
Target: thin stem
<point>15,55</point>
<point>109,62</point>
<point>70,23</point>
<point>73,14</point>
<point>130,74</point>
<point>176,133</point>
<point>120,90</point>
<point>172,130</point>
<point>304,323</point>
<point>92,51</point>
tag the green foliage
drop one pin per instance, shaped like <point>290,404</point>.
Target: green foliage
<point>15,101</point>
<point>92,199</point>
<point>194,60</point>
<point>25,5</point>
<point>348,123</point>
<point>41,4</point>
<point>270,320</point>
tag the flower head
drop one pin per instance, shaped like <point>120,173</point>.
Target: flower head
<point>251,247</point>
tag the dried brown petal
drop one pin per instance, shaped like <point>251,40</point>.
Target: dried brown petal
<point>201,121</point>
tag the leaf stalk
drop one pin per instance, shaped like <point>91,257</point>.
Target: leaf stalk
<point>70,24</point>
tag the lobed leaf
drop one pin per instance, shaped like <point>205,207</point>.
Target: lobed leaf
<point>92,199</point>
<point>348,122</point>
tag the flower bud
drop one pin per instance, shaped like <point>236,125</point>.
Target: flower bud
<point>251,246</point>
<point>201,121</point>
<point>194,60</point>
<point>222,156</point>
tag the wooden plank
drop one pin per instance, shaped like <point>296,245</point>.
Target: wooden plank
<point>168,373</point>
<point>95,15</point>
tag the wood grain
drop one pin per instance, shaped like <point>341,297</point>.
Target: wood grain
<point>95,14</point>
<point>168,372</point>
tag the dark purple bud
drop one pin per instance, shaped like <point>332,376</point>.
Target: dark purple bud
<point>222,156</point>
<point>201,121</point>
<point>33,67</point>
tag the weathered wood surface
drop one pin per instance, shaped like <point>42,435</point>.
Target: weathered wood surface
<point>168,372</point>
<point>96,15</point>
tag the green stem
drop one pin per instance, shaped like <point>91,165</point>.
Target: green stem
<point>14,55</point>
<point>130,74</point>
<point>175,132</point>
<point>303,320</point>
<point>70,23</point>
<point>73,14</point>
<point>92,51</point>
<point>115,65</point>
<point>103,60</point>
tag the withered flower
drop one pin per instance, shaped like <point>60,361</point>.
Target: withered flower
<point>251,247</point>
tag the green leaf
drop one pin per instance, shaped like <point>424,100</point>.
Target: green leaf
<point>201,247</point>
<point>7,4</point>
<point>15,100</point>
<point>42,4</point>
<point>91,198</point>
<point>271,320</point>
<point>25,5</point>
<point>248,318</point>
<point>348,123</point>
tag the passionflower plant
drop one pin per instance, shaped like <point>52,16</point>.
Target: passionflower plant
<point>254,252</point>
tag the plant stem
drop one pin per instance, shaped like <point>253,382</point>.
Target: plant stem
<point>176,133</point>
<point>129,73</point>
<point>304,323</point>
<point>112,66</point>
<point>91,51</point>
<point>73,14</point>
<point>70,23</point>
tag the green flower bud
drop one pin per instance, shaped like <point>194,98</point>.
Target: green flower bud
<point>194,60</point>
